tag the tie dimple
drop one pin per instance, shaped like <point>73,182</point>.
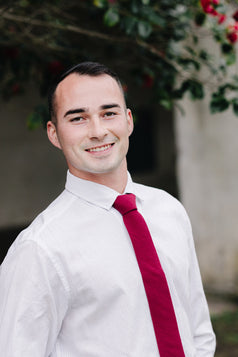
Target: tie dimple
<point>125,203</point>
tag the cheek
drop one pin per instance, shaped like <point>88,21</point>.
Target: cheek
<point>123,130</point>
<point>68,137</point>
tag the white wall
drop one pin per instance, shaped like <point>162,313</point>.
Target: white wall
<point>207,167</point>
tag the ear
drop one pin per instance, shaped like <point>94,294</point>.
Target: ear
<point>52,134</point>
<point>130,121</point>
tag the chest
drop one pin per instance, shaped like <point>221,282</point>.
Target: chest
<point>99,261</point>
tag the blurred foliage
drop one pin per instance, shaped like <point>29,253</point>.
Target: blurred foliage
<point>156,45</point>
<point>226,330</point>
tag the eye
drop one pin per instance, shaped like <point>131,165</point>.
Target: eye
<point>109,114</point>
<point>77,119</point>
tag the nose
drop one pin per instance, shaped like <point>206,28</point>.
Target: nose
<point>97,130</point>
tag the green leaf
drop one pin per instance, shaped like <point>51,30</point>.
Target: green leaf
<point>190,50</point>
<point>152,17</point>
<point>179,33</point>
<point>200,18</point>
<point>235,106</point>
<point>145,2</point>
<point>129,24</point>
<point>195,39</point>
<point>166,103</point>
<point>100,3</point>
<point>231,58</point>
<point>226,48</point>
<point>144,29</point>
<point>194,87</point>
<point>33,121</point>
<point>178,93</point>
<point>218,103</point>
<point>38,117</point>
<point>157,20</point>
<point>230,86</point>
<point>24,3</point>
<point>134,7</point>
<point>196,90</point>
<point>111,17</point>
<point>187,62</point>
<point>204,55</point>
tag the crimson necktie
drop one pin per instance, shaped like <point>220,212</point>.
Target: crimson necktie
<point>155,283</point>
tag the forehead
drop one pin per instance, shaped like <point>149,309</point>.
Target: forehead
<point>88,91</point>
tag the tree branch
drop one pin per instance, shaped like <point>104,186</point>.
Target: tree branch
<point>57,26</point>
<point>92,34</point>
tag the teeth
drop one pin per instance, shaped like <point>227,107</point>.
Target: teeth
<point>101,148</point>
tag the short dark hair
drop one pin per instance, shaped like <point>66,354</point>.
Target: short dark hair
<point>93,69</point>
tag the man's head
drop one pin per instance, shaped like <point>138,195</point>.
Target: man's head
<point>92,69</point>
<point>92,125</point>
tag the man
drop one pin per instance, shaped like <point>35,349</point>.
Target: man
<point>70,284</point>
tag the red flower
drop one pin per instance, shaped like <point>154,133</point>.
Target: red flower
<point>208,7</point>
<point>205,2</point>
<point>232,28</point>
<point>232,37</point>
<point>210,10</point>
<point>235,15</point>
<point>221,18</point>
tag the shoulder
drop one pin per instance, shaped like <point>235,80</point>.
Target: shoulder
<point>160,200</point>
<point>164,213</point>
<point>149,193</point>
<point>37,245</point>
<point>41,229</point>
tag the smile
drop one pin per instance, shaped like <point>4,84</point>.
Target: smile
<point>100,148</point>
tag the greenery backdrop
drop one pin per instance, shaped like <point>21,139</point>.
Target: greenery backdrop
<point>157,46</point>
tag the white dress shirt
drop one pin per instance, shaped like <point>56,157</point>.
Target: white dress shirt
<point>70,285</point>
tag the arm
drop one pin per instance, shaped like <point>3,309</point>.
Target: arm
<point>33,302</point>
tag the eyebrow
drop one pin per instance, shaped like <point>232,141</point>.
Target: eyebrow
<point>109,106</point>
<point>84,110</point>
<point>75,111</point>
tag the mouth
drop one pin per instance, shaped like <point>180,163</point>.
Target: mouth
<point>100,148</point>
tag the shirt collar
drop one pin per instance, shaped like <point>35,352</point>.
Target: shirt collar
<point>95,193</point>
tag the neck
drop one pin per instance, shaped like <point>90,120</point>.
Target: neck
<point>118,184</point>
<point>115,180</point>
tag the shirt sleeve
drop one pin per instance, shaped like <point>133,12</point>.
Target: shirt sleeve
<point>204,338</point>
<point>33,302</point>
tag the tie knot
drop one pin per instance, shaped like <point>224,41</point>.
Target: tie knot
<point>125,203</point>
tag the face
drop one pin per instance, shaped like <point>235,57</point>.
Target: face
<point>93,125</point>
